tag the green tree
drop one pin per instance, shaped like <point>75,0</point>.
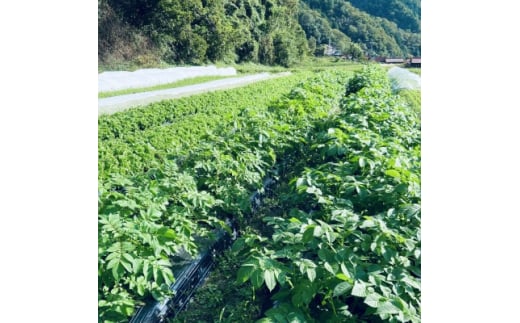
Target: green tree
<point>312,45</point>
<point>355,52</point>
<point>266,50</point>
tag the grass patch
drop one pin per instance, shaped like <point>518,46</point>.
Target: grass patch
<point>252,68</point>
<point>415,70</point>
<point>318,64</point>
<point>315,64</point>
<point>413,97</point>
<point>185,82</point>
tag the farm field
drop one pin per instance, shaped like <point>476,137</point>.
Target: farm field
<point>123,102</point>
<point>336,237</point>
<point>184,82</point>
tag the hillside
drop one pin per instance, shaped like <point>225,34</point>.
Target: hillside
<point>405,13</point>
<point>377,30</point>
<point>272,32</point>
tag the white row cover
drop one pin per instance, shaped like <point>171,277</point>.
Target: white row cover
<point>120,80</point>
<point>122,102</point>
<point>404,79</point>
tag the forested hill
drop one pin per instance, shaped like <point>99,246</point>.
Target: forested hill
<point>272,32</point>
<point>405,13</point>
<point>380,27</point>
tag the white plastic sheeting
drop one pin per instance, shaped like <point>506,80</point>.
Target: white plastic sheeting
<point>120,80</point>
<point>119,103</point>
<point>402,78</point>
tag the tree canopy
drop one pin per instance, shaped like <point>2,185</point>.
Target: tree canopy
<point>273,32</point>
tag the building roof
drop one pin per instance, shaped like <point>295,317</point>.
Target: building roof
<point>416,60</point>
<point>394,60</point>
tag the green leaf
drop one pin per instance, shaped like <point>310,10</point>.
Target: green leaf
<point>344,270</point>
<point>265,320</point>
<point>127,266</point>
<point>342,276</point>
<point>113,262</point>
<point>374,300</point>
<point>270,280</point>
<point>146,269</point>
<point>115,247</point>
<point>326,255</point>
<point>141,285</point>
<point>245,272</point>
<point>130,204</point>
<point>129,309</point>
<point>313,190</point>
<point>317,231</point>
<point>137,265</point>
<point>117,271</point>
<point>155,271</point>
<point>328,267</point>
<point>167,275</point>
<point>311,273</point>
<point>341,289</point>
<point>410,244</point>
<point>168,233</point>
<point>399,303</point>
<point>257,278</point>
<point>387,308</point>
<point>412,210</point>
<point>309,263</point>
<point>164,263</point>
<point>323,200</point>
<point>295,318</point>
<point>238,245</point>
<point>128,257</point>
<point>401,188</point>
<point>303,294</point>
<point>330,236</point>
<point>359,289</point>
<point>385,290</point>
<point>368,223</point>
<point>412,282</point>
<point>309,233</point>
<point>393,173</point>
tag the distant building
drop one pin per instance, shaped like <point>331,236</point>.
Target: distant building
<point>394,60</point>
<point>415,62</point>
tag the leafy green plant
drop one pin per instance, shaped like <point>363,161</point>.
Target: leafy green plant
<point>347,248</point>
<point>222,299</point>
<point>372,76</point>
<point>169,176</point>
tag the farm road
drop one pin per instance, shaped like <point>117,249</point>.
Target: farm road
<point>119,103</point>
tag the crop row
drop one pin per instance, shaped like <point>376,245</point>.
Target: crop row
<point>139,139</point>
<point>342,244</point>
<point>171,173</point>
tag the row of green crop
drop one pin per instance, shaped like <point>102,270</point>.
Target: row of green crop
<point>172,178</point>
<point>156,114</point>
<point>343,242</point>
<point>140,139</point>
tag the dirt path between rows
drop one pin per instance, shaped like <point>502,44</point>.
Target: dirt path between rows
<point>123,102</point>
